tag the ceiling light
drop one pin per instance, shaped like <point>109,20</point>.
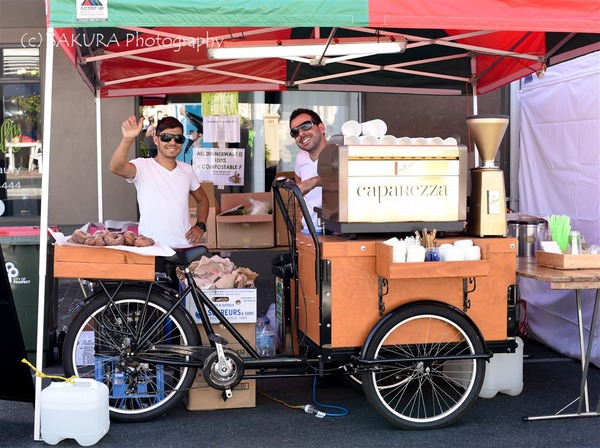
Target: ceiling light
<point>305,48</point>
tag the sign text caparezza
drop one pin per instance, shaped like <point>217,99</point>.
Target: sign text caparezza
<point>393,191</point>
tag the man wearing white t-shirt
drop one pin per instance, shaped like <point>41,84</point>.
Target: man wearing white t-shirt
<point>308,131</point>
<point>163,184</point>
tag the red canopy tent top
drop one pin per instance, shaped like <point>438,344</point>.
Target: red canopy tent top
<point>135,47</point>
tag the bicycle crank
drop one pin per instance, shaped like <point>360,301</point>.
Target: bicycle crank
<point>223,369</point>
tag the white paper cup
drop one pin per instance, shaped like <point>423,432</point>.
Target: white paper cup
<point>450,141</point>
<point>443,251</point>
<point>472,253</point>
<point>454,253</point>
<point>463,243</point>
<point>435,141</point>
<point>368,140</point>
<point>388,140</point>
<point>415,254</point>
<point>399,253</point>
<point>351,140</point>
<point>351,128</point>
<point>377,128</point>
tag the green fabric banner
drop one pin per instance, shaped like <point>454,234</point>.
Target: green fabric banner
<point>208,13</point>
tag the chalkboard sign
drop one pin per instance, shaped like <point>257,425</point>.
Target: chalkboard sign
<point>16,382</point>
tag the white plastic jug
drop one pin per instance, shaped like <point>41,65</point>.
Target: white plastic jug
<point>77,410</point>
<point>504,373</point>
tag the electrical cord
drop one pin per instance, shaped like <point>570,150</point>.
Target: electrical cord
<point>309,408</point>
<point>343,410</point>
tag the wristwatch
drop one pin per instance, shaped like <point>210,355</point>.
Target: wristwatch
<point>201,225</point>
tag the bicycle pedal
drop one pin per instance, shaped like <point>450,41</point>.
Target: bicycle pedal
<point>227,394</point>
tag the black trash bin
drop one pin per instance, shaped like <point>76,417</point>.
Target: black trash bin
<point>282,269</point>
<point>21,247</point>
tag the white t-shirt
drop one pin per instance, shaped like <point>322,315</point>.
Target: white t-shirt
<point>162,197</point>
<point>305,168</point>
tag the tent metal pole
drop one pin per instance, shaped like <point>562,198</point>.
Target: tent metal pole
<point>43,258</point>
<point>99,154</point>
<point>475,105</point>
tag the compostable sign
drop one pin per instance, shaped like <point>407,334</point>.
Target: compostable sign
<point>221,166</point>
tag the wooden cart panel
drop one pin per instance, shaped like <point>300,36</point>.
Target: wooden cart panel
<point>102,263</point>
<point>354,287</point>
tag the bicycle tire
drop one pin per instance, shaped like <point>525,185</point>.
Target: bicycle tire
<point>96,346</point>
<point>427,394</point>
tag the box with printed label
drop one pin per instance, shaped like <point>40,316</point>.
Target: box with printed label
<point>237,304</point>
<point>202,397</point>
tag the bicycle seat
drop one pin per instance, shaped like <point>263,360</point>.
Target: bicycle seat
<point>185,256</point>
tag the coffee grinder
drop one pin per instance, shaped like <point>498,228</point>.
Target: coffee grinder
<point>487,207</point>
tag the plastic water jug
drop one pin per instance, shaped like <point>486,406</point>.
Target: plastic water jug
<point>77,410</point>
<point>504,373</point>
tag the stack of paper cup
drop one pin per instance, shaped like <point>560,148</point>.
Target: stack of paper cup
<point>376,128</point>
<point>368,140</point>
<point>351,128</point>
<point>472,253</point>
<point>415,253</point>
<point>463,243</point>
<point>388,140</point>
<point>351,140</point>
<point>398,250</point>
<point>454,253</point>
<point>443,251</point>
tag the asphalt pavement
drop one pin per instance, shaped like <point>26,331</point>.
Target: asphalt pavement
<point>551,382</point>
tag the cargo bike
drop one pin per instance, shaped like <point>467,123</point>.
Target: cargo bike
<point>419,357</point>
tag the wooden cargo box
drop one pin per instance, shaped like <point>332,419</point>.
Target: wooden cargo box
<point>102,263</point>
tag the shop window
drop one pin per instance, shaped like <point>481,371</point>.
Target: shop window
<point>20,139</point>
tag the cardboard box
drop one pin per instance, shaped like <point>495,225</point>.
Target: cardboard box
<point>237,304</point>
<point>102,263</point>
<point>210,236</point>
<point>202,397</point>
<point>244,231</point>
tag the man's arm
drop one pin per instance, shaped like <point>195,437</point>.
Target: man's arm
<point>308,184</point>
<point>195,233</point>
<point>119,163</point>
<point>202,204</point>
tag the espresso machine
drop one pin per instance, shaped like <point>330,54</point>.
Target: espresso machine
<point>487,208</point>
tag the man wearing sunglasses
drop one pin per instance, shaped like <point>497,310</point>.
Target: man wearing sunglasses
<point>308,131</point>
<point>163,184</point>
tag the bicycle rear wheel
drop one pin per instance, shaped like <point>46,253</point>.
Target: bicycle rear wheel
<point>424,393</point>
<point>102,338</point>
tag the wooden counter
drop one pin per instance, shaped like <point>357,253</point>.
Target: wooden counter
<point>352,301</point>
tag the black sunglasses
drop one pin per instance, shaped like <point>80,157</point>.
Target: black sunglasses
<point>294,132</point>
<point>166,137</point>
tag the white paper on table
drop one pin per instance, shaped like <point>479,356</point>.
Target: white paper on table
<point>158,250</point>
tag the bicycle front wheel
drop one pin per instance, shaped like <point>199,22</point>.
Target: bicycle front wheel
<point>102,343</point>
<point>424,387</point>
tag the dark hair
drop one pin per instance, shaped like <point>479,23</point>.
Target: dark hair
<point>168,123</point>
<point>313,115</point>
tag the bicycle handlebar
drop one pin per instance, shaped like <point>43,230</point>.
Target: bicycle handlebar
<point>290,185</point>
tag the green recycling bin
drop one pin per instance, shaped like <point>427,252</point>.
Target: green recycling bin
<point>21,249</point>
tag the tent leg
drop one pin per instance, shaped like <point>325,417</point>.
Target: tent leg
<point>47,137</point>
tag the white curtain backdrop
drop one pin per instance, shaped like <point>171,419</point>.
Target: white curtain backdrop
<point>559,173</point>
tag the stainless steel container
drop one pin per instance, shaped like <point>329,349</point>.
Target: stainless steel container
<point>529,232</point>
